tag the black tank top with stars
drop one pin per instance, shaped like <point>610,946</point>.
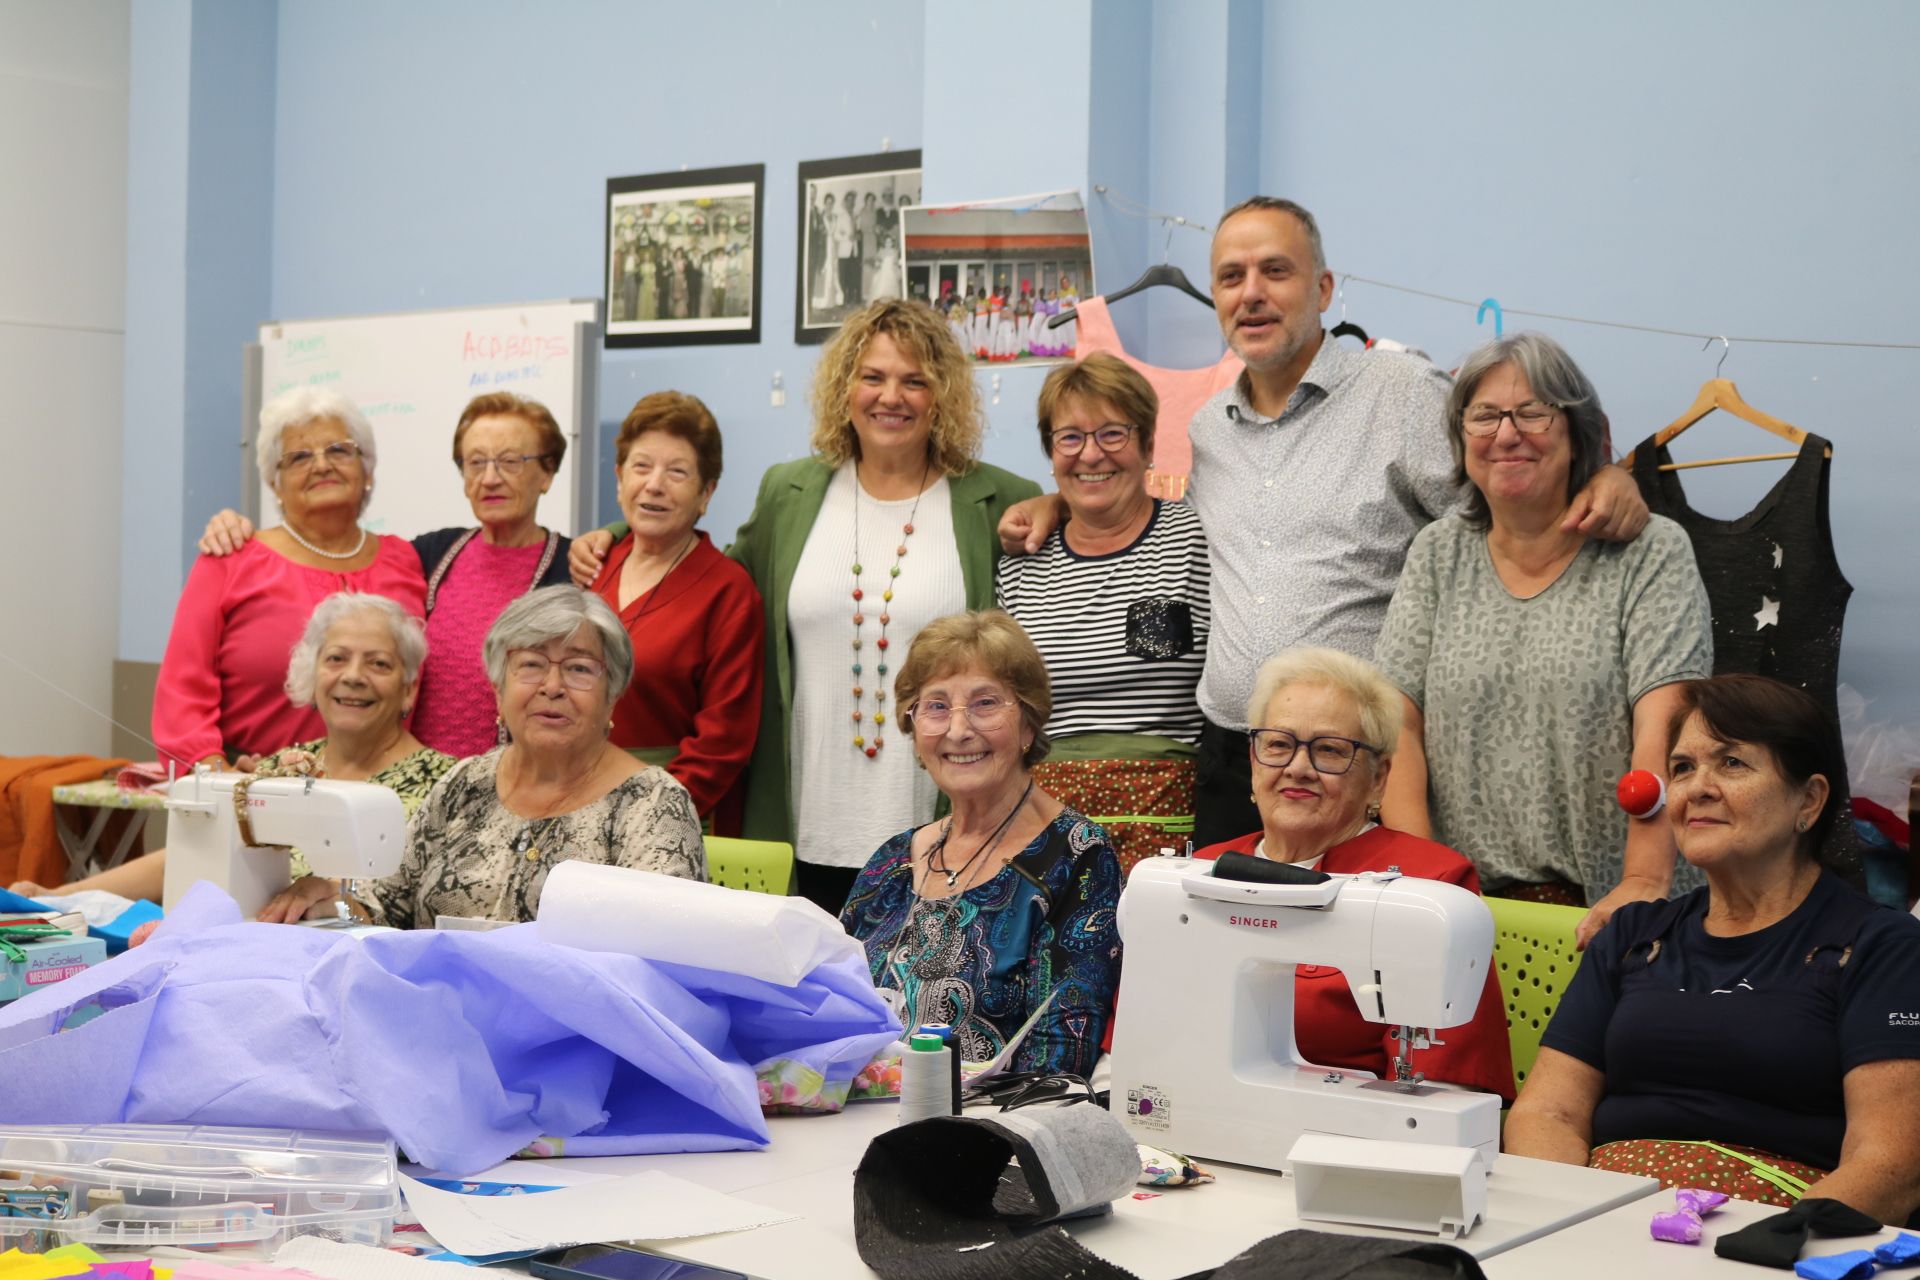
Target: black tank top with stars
<point>1776,591</point>
<point>1774,586</point>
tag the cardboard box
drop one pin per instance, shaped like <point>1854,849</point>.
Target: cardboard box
<point>48,962</point>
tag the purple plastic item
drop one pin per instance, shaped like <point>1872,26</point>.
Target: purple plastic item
<point>1682,1226</point>
<point>1698,1201</point>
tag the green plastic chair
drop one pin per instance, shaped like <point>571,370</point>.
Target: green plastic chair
<point>1533,951</point>
<point>762,866</point>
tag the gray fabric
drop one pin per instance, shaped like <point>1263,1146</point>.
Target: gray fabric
<point>1529,703</point>
<point>1308,515</point>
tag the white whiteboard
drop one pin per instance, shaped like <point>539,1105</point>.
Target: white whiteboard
<point>412,373</point>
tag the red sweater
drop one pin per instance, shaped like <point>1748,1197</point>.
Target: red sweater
<point>699,646</point>
<point>221,683</point>
<point>1326,1023</point>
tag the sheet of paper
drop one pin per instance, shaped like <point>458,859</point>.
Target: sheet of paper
<point>637,1206</point>
<point>1005,1055</point>
<point>336,1261</point>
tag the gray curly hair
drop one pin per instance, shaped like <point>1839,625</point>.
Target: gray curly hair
<point>409,639</point>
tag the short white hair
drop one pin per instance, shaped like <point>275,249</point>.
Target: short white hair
<point>409,639</point>
<point>297,407</point>
<point>1375,700</point>
<point>554,613</point>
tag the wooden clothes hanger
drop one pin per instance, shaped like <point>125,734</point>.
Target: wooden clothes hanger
<point>1720,393</point>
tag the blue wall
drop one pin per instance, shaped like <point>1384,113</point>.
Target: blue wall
<point>1728,169</point>
<point>445,154</point>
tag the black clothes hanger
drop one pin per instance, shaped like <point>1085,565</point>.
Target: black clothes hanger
<point>1348,329</point>
<point>1161,274</point>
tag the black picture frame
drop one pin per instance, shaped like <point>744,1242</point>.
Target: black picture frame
<point>669,236</point>
<point>825,291</point>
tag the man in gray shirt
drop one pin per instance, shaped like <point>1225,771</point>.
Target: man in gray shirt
<point>1311,475</point>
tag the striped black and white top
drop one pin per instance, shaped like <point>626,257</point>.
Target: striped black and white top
<point>1110,674</point>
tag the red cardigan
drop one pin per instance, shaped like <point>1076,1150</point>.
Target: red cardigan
<point>699,651</point>
<point>1327,1025</point>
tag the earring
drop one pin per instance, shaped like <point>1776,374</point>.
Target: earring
<point>1801,826</point>
<point>1373,813</point>
<point>500,735</point>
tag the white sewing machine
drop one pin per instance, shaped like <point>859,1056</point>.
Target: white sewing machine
<point>347,830</point>
<point>1204,1057</point>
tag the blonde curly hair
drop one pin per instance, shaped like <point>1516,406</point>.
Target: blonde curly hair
<point>924,338</point>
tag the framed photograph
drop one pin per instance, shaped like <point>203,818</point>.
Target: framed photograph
<point>1006,274</point>
<point>683,257</point>
<point>850,236</point>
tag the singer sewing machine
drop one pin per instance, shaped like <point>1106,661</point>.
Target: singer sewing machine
<point>1204,1056</point>
<point>347,830</point>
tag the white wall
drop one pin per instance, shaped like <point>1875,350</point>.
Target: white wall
<point>63,223</point>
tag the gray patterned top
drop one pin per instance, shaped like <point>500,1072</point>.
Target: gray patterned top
<point>469,855</point>
<point>1308,515</point>
<point>1529,703</point>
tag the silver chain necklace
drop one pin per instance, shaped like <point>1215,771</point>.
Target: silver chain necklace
<point>329,555</point>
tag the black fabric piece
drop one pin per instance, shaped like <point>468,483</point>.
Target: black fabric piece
<point>1806,589</point>
<point>1776,1241</point>
<point>1244,866</point>
<point>1325,1255</point>
<point>824,886</point>
<point>926,1192</point>
<point>1159,627</point>
<point>1223,787</point>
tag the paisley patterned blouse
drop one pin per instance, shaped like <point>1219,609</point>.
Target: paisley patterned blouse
<point>469,855</point>
<point>986,959</point>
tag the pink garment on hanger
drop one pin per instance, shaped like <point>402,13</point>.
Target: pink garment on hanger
<point>1181,392</point>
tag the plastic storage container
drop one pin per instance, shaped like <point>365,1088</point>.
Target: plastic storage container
<point>132,1186</point>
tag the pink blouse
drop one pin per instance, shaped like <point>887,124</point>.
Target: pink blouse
<point>221,685</point>
<point>456,711</point>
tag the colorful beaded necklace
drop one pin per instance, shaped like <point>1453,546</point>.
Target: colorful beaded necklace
<point>860,743</point>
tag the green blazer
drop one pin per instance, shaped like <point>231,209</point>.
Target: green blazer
<point>769,545</point>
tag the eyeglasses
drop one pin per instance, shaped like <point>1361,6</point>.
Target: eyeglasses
<point>1111,438</point>
<point>1328,754</point>
<point>1533,417</point>
<point>527,666</point>
<point>932,715</point>
<point>339,454</point>
<point>510,464</point>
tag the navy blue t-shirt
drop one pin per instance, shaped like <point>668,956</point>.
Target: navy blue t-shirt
<point>1742,1040</point>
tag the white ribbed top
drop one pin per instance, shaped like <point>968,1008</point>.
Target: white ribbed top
<point>846,805</point>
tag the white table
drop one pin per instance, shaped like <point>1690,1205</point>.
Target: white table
<point>808,1171</point>
<point>1617,1243</point>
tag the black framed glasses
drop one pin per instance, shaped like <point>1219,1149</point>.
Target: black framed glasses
<point>1328,753</point>
<point>341,453</point>
<point>510,464</point>
<point>1533,417</point>
<point>1111,438</point>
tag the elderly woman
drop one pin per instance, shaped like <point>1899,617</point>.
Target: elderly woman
<point>1757,1027</point>
<point>1538,664</point>
<point>358,663</point>
<point>1116,602</point>
<point>1008,905</point>
<point>508,450</point>
<point>693,615</point>
<point>1322,750</point>
<point>482,844</point>
<point>887,526</point>
<point>219,693</point>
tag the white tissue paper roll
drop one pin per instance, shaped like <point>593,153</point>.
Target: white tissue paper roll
<point>641,913</point>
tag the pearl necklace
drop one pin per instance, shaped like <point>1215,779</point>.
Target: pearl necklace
<point>328,555</point>
<point>872,749</point>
